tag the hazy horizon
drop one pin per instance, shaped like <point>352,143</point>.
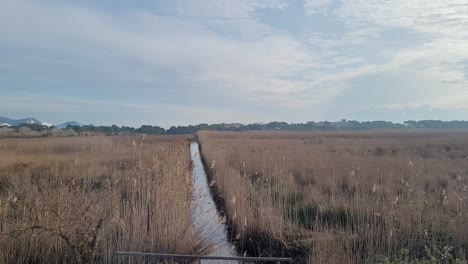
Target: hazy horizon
<point>225,61</point>
<point>242,123</point>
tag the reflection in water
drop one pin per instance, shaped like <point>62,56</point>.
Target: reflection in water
<point>205,215</point>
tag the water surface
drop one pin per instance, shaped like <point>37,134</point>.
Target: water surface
<point>204,212</point>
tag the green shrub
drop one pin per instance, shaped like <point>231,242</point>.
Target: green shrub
<point>434,254</point>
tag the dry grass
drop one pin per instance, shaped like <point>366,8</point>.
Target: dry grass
<point>80,199</point>
<point>25,132</point>
<point>342,197</point>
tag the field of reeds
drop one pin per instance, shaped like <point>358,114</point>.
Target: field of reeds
<point>343,197</point>
<point>80,199</point>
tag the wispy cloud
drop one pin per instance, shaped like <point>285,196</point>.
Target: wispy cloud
<point>317,6</point>
<point>207,55</point>
<point>96,45</point>
<point>424,37</point>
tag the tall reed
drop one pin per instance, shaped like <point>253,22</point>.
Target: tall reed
<point>343,197</point>
<point>80,199</point>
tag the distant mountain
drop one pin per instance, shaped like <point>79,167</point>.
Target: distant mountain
<point>47,124</point>
<point>69,123</point>
<point>13,122</point>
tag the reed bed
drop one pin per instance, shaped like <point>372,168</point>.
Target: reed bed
<point>80,199</point>
<point>343,197</point>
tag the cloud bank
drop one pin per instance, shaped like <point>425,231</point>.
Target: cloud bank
<point>225,61</point>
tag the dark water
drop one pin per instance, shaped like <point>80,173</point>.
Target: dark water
<point>204,213</point>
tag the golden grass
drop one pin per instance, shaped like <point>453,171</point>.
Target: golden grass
<point>342,197</point>
<point>80,199</point>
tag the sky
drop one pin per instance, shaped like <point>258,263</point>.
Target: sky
<point>183,62</point>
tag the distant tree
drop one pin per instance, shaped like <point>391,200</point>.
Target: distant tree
<point>154,130</point>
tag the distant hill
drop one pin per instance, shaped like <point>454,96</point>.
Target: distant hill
<point>69,123</point>
<point>5,121</point>
<point>16,122</point>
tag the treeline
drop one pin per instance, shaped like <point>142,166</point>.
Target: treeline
<point>309,126</point>
<point>323,126</point>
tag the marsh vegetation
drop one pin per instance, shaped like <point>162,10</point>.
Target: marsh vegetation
<point>343,197</point>
<point>319,197</point>
<point>80,199</point>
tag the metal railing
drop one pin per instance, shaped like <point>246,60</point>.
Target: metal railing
<point>200,258</point>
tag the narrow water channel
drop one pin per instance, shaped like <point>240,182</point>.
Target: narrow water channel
<point>204,213</point>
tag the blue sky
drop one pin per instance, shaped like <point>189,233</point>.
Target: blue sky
<point>186,62</point>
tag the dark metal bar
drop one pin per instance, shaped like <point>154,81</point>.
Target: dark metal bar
<point>177,256</point>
